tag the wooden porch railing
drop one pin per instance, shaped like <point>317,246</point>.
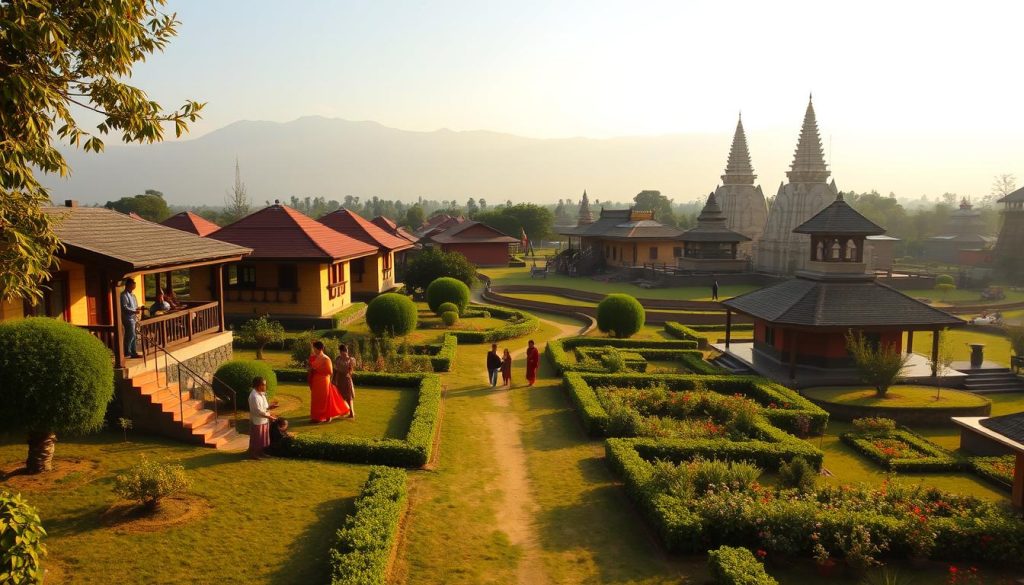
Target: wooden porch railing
<point>178,327</point>
<point>261,294</point>
<point>105,333</point>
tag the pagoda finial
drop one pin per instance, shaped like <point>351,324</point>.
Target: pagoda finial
<point>585,216</point>
<point>738,170</point>
<point>809,160</point>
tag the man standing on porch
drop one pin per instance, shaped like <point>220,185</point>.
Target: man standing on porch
<point>130,317</point>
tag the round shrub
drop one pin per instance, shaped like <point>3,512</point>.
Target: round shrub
<point>238,375</point>
<point>447,290</point>
<point>448,307</point>
<point>301,345</point>
<point>22,534</point>
<point>944,279</point>
<point>620,315</point>
<point>449,318</point>
<point>392,314</point>
<point>57,378</point>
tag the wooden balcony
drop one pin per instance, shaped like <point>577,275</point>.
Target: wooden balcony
<point>172,329</point>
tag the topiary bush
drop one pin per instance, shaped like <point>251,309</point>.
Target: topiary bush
<point>304,341</point>
<point>448,307</point>
<point>392,314</point>
<point>237,375</point>
<point>620,315</point>
<point>447,290</point>
<point>147,482</point>
<point>21,541</point>
<point>57,378</point>
<point>449,318</point>
<point>944,279</point>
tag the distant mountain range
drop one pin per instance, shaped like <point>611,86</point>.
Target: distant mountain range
<point>332,157</point>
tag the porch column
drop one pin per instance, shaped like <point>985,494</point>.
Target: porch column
<point>219,277</point>
<point>935,354</point>
<point>1017,497</point>
<point>792,354</point>
<point>728,327</point>
<point>910,342</point>
<point>118,326</point>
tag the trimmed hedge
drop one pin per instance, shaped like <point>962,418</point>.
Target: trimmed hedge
<point>362,552</point>
<point>448,307</point>
<point>932,457</point>
<point>444,358</point>
<point>978,531</point>
<point>392,314</point>
<point>348,314</point>
<point>737,566</point>
<point>447,290</point>
<point>996,470</point>
<point>791,412</point>
<point>238,375</point>
<point>621,315</point>
<point>525,323</point>
<point>412,451</point>
<point>683,351</point>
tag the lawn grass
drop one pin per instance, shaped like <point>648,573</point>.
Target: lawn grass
<point>997,347</point>
<point>902,396</point>
<point>285,510</point>
<point>964,296</point>
<point>505,276</point>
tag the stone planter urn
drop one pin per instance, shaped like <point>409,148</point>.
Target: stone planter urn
<point>977,354</point>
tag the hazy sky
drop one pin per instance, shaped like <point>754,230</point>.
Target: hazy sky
<point>917,91</point>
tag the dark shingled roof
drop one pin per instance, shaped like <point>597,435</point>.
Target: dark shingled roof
<point>281,232</point>
<point>819,303</point>
<point>187,221</point>
<point>1015,197</point>
<point>456,235</point>
<point>1010,426</point>
<point>616,224</point>
<point>839,219</point>
<point>354,226</point>
<point>134,244</point>
<point>711,226</point>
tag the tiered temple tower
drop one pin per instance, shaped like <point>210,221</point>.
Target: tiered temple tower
<point>780,250</point>
<point>742,202</point>
<point>585,216</point>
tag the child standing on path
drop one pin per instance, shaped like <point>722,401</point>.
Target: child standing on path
<point>506,369</point>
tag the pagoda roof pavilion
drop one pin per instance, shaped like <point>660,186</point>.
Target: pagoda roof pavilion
<point>624,224</point>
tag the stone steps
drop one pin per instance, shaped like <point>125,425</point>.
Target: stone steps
<point>732,364</point>
<point>182,416</point>
<point>991,380</point>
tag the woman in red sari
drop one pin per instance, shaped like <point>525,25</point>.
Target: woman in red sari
<point>325,403</point>
<point>532,363</point>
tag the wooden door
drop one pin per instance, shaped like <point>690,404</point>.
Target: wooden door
<point>97,297</point>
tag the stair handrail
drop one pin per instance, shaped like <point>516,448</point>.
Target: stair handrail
<point>233,421</point>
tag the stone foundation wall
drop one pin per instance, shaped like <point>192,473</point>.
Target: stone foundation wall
<point>204,364</point>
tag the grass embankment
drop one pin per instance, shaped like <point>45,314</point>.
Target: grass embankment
<point>964,296</point>
<point>287,510</point>
<point>903,396</point>
<point>997,347</point>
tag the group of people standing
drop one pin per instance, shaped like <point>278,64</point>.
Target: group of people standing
<point>332,395</point>
<point>502,364</point>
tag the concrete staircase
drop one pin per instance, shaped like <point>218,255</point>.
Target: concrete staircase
<point>173,412</point>
<point>989,380</point>
<point>732,364</point>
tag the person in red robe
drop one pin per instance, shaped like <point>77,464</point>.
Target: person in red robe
<point>325,402</point>
<point>532,362</point>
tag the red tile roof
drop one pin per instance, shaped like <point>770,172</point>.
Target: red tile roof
<point>279,231</point>
<point>472,232</point>
<point>393,228</point>
<point>187,221</point>
<point>354,226</point>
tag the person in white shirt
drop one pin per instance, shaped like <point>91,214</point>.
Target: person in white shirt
<point>259,419</point>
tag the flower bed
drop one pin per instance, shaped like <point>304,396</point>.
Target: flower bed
<point>519,323</point>
<point>737,566</point>
<point>902,450</point>
<point>787,522</point>
<point>362,552</point>
<point>995,470</point>
<point>782,407</point>
<point>412,451</point>
<point>685,352</point>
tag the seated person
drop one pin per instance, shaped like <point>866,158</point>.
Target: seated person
<point>172,299</point>
<point>279,435</point>
<point>160,306</point>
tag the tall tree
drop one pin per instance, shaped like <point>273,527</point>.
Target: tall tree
<point>237,203</point>
<point>55,56</point>
<point>1003,185</point>
<point>414,217</point>
<point>659,204</point>
<point>149,205</point>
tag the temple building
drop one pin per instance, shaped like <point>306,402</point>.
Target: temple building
<point>742,202</point>
<point>781,249</point>
<point>800,325</point>
<point>585,217</point>
<point>619,238</point>
<point>1008,254</point>
<point>711,246</point>
<point>964,232</point>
